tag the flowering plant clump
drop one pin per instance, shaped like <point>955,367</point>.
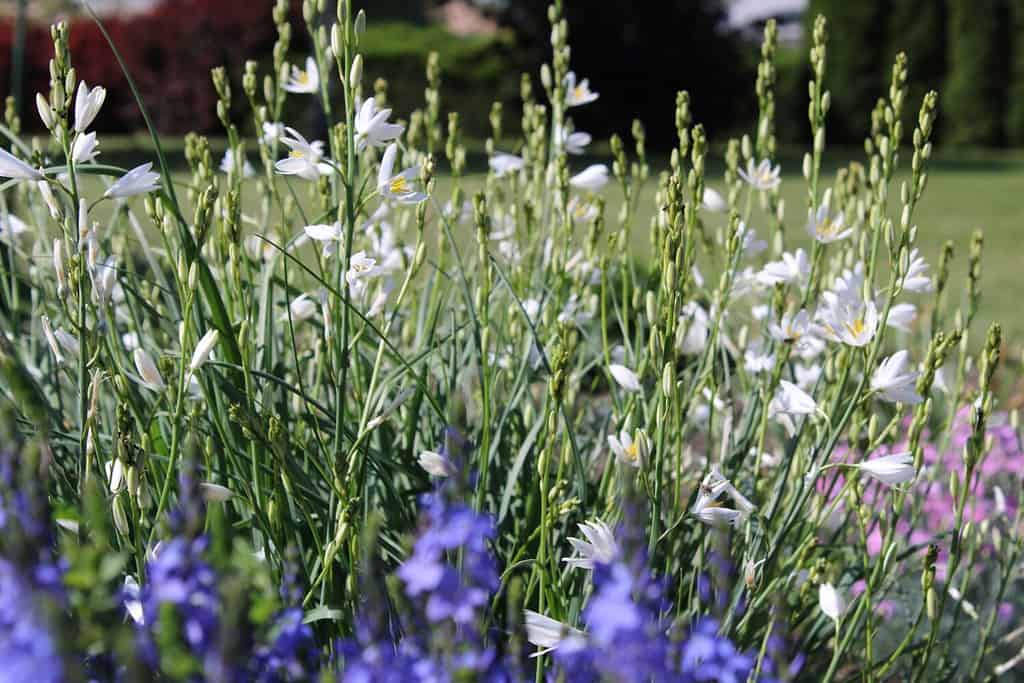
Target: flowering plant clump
<point>771,451</point>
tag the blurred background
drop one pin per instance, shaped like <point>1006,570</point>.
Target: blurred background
<point>637,54</point>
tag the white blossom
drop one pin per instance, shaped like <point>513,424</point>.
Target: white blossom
<point>624,377</point>
<point>592,178</point>
<point>762,176</point>
<point>87,105</point>
<point>599,546</point>
<point>306,80</point>
<point>894,381</point>
<point>894,469</point>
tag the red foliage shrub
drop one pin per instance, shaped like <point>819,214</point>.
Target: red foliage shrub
<point>169,52</point>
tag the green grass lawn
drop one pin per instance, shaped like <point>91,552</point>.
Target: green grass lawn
<point>966,190</point>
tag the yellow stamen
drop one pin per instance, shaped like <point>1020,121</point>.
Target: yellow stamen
<point>632,451</point>
<point>857,327</point>
<point>302,77</point>
<point>398,185</point>
<point>296,154</point>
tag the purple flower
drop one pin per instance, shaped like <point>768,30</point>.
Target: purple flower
<point>28,652</point>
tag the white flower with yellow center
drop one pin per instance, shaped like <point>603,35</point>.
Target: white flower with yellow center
<point>304,80</point>
<point>629,450</point>
<point>578,94</point>
<point>791,327</point>
<point>827,227</point>
<point>360,267</point>
<point>400,187</point>
<point>304,159</point>
<point>853,323</point>
<point>762,176</point>
<point>581,210</point>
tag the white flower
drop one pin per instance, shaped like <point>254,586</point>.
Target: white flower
<point>397,187</point>
<point>751,246</point>
<point>944,376</point>
<point>592,178</point>
<point>827,227</point>
<point>853,323</point>
<point>692,330</point>
<point>227,164</point>
<point>792,268</point>
<point>87,105</point>
<point>104,275</point>
<point>714,201</point>
<point>717,517</point>
<point>847,287</point>
<point>13,167</point>
<point>84,149</point>
<point>132,604</point>
<point>790,401</point>
<point>830,601</point>
<point>304,80</point>
<point>51,201</point>
<point>301,308</point>
<point>756,360</point>
<point>203,349</point>
<point>627,449</point>
<point>139,180</point>
<point>894,469</point>
<point>46,113</point>
<point>372,127</point>
<point>916,278</point>
<point>581,210</point>
<point>214,493</point>
<point>575,143</point>
<point>436,464</point>
<point>806,375</point>
<point>600,545</point>
<point>59,341</point>
<point>148,371</point>
<point>115,474</point>
<point>625,377</point>
<point>791,328</point>
<point>304,159</point>
<point>546,633</point>
<point>762,176</point>
<point>360,266</point>
<point>328,233</point>
<point>706,507</point>
<point>503,164</point>
<point>894,381</point>
<point>272,132</point>
<point>11,226</point>
<point>901,316</point>
<point>455,215</point>
<point>577,94</point>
